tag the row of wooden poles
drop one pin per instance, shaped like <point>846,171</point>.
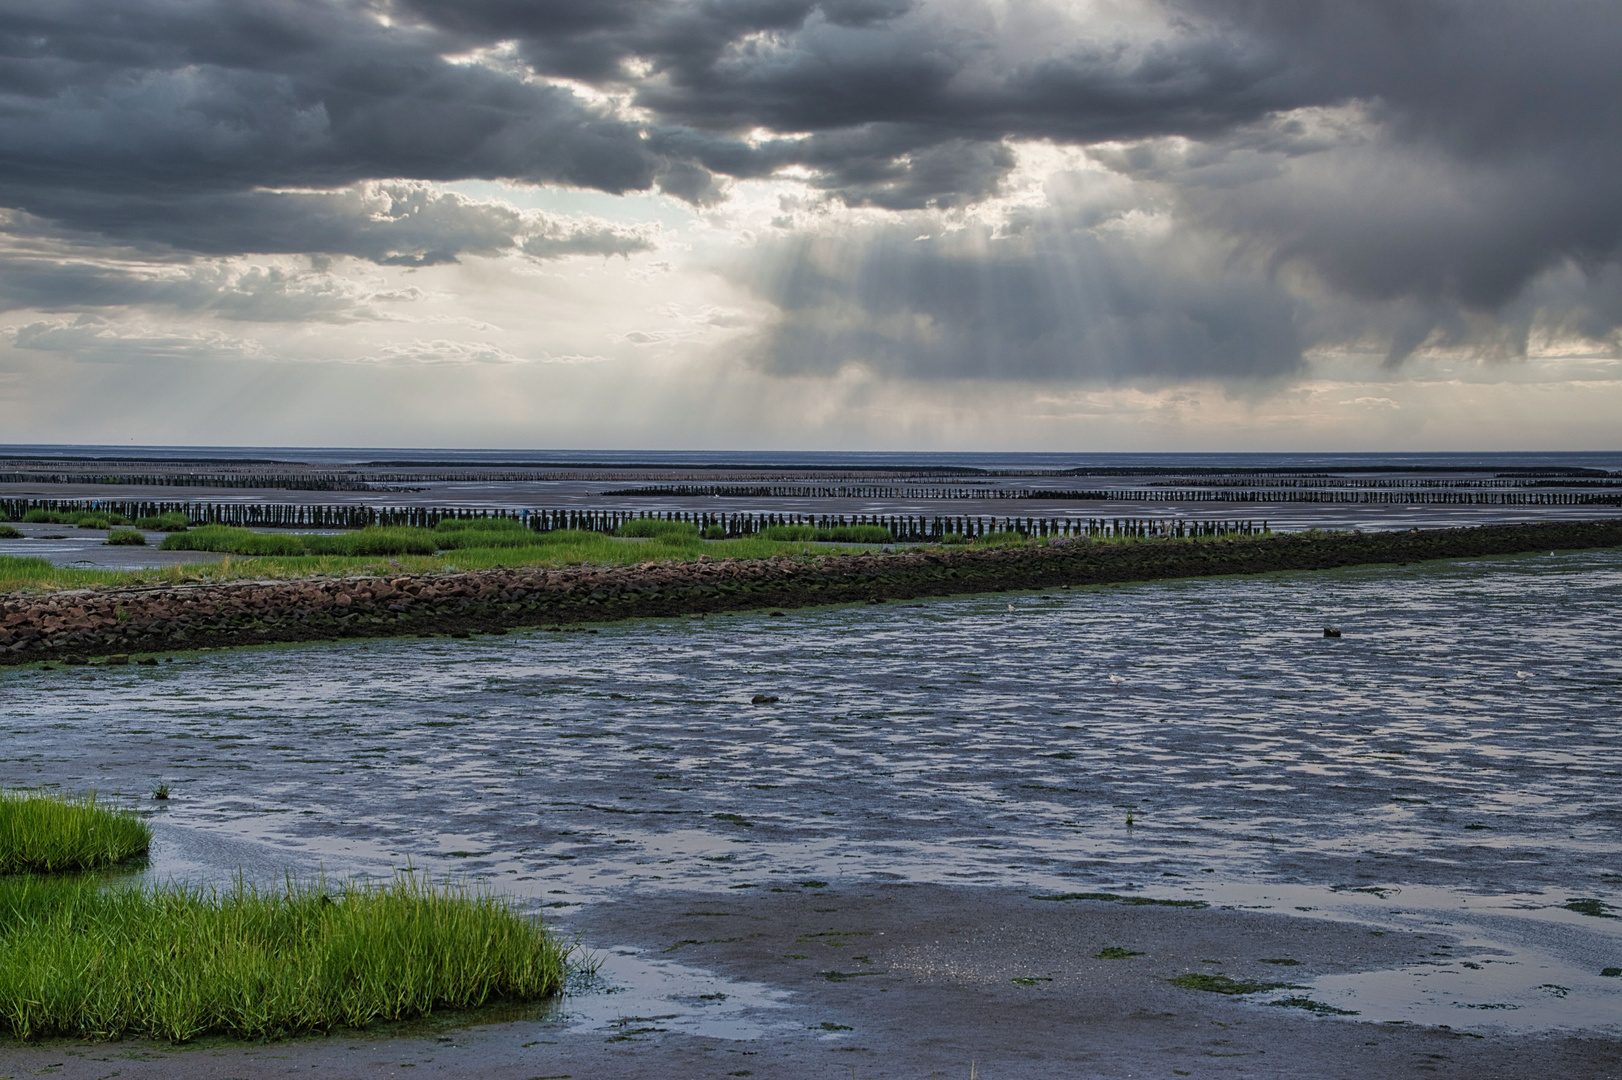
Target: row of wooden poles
<point>906,527</point>
<point>1399,497</point>
<point>284,482</point>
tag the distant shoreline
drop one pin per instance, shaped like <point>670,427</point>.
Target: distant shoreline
<point>119,623</point>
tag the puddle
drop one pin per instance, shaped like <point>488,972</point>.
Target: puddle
<point>1502,962</point>
<point>632,996</point>
<point>86,549</point>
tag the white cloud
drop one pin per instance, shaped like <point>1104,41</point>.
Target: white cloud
<point>97,340</point>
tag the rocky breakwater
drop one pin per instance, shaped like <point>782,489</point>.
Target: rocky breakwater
<point>120,622</point>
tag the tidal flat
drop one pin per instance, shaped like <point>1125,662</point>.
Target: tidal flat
<point>923,853</point>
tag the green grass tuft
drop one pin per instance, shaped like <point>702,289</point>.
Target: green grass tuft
<point>50,833</point>
<point>84,519</point>
<point>126,538</point>
<point>1002,538</point>
<point>7,532</point>
<point>374,540</point>
<point>496,525</point>
<point>232,540</point>
<point>173,521</point>
<point>176,963</point>
<point>842,534</point>
<point>658,529</point>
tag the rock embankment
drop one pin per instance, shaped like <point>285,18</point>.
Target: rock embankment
<point>118,622</point>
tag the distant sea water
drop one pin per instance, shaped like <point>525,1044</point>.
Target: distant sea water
<point>1610,460</point>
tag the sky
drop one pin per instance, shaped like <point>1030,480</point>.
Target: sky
<point>818,224</point>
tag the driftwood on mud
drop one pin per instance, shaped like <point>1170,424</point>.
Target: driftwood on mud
<point>123,621</point>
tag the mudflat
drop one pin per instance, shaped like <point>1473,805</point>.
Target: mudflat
<point>1414,822</point>
<point>905,980</point>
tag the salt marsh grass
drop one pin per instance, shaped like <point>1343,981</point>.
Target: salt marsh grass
<point>84,519</point>
<point>78,959</point>
<point>372,540</point>
<point>840,534</point>
<point>236,541</point>
<point>277,558</point>
<point>51,833</point>
<point>659,529</point>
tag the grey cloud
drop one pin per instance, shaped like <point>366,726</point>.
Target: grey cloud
<point>232,292</point>
<point>439,352</point>
<point>397,223</point>
<point>554,238</point>
<point>1442,243</point>
<point>1480,163</point>
<point>1057,302</point>
<point>97,340</point>
<point>114,111</point>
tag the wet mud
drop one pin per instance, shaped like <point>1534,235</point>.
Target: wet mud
<point>917,981</point>
<point>987,830</point>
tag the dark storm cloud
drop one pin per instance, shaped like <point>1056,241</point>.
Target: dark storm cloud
<point>1496,125</point>
<point>392,224</point>
<point>203,97</point>
<point>1479,171</point>
<point>1056,302</point>
<point>251,294</point>
<point>151,101</point>
<point>1499,135</point>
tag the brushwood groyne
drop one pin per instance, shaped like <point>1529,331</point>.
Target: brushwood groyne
<point>910,528</point>
<point>119,622</point>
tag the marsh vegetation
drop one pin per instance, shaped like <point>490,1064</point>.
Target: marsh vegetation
<point>384,550</point>
<point>42,832</point>
<point>82,959</point>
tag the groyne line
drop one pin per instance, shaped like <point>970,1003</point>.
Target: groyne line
<point>117,622</point>
<point>911,528</point>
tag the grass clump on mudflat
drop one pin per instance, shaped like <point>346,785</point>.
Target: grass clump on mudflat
<point>372,540</point>
<point>84,519</point>
<point>232,540</point>
<point>173,521</point>
<point>51,833</point>
<point>658,529</point>
<point>453,534</point>
<point>7,532</point>
<point>126,537</point>
<point>842,534</point>
<point>175,963</point>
